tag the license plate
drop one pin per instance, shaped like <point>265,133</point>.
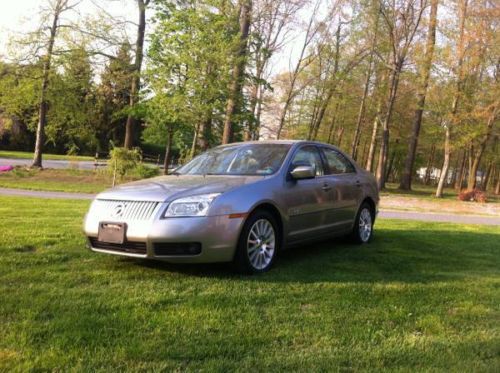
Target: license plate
<point>111,232</point>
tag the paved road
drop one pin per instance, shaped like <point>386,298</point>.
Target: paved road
<point>383,214</point>
<point>84,165</point>
<point>48,163</point>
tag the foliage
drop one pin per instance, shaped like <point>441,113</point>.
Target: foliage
<point>143,171</point>
<point>123,161</point>
<point>314,93</point>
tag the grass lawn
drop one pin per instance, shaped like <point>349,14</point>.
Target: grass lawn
<point>61,180</point>
<point>428,192</point>
<point>422,296</point>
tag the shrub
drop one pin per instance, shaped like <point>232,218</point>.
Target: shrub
<point>123,161</point>
<point>474,195</point>
<point>143,171</point>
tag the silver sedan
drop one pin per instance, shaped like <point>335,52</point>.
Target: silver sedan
<point>240,203</point>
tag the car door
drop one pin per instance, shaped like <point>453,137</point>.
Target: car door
<point>345,188</point>
<point>307,200</point>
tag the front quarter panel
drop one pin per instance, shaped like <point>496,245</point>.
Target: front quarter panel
<point>246,197</point>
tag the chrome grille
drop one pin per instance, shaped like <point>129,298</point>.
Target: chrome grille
<point>123,210</point>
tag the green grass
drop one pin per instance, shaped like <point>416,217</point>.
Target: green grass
<point>61,180</point>
<point>422,296</point>
<point>29,155</point>
<point>419,190</point>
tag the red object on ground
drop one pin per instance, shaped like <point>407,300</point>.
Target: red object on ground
<point>6,168</point>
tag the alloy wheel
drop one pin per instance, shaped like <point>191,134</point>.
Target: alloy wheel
<point>365,225</point>
<point>261,243</point>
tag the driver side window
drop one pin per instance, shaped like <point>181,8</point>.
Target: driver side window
<point>309,156</point>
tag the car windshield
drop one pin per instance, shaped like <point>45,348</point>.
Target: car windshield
<point>249,159</point>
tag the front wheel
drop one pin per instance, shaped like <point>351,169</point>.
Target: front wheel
<point>362,230</point>
<point>258,244</point>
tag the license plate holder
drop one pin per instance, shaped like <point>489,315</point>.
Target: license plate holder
<point>111,232</point>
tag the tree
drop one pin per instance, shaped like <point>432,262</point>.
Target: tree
<point>270,24</point>
<point>453,117</point>
<point>302,62</point>
<point>362,106</point>
<point>113,97</point>
<point>402,19</point>
<point>240,60</point>
<point>136,73</point>
<point>406,178</point>
<point>56,9</point>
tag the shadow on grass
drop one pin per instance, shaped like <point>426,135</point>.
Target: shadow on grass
<point>409,256</point>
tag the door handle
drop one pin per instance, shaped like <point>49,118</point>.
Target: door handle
<point>326,187</point>
<point>358,183</point>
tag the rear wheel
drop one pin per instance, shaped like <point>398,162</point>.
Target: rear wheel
<point>362,230</point>
<point>258,243</point>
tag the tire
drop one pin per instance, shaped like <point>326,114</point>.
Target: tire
<point>362,231</point>
<point>258,244</point>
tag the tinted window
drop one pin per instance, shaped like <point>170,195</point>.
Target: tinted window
<point>337,163</point>
<point>308,156</point>
<point>247,159</point>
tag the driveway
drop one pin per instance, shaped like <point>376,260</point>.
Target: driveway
<point>383,214</point>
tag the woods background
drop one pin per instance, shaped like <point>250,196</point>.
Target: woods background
<point>402,85</point>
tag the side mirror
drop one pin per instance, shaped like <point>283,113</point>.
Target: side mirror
<point>303,172</point>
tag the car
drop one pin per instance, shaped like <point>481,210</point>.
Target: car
<point>242,203</point>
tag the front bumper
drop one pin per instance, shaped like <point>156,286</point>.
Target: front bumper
<point>218,236</point>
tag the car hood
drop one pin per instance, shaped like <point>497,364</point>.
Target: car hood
<point>166,188</point>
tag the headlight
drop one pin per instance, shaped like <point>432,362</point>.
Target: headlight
<point>190,206</point>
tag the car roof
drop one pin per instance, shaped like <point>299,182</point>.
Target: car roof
<point>288,142</point>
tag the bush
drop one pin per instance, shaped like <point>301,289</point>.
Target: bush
<point>143,171</point>
<point>123,161</point>
<point>475,195</point>
<point>129,163</point>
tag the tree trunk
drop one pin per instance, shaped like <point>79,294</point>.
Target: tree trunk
<point>430,162</point>
<point>390,165</point>
<point>497,184</point>
<point>454,106</point>
<point>370,162</point>
<point>471,181</point>
<point>203,139</point>
<point>373,143</point>
<point>234,98</point>
<point>446,163</point>
<point>460,172</point>
<point>168,149</point>
<point>361,112</point>
<point>363,154</point>
<point>339,137</point>
<point>42,109</point>
<point>196,135</point>
<point>384,145</point>
<point>486,180</point>
<point>136,73</point>
<point>256,130</point>
<point>406,179</point>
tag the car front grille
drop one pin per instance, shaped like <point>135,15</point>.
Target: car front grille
<point>104,209</point>
<point>131,247</point>
<point>177,249</point>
